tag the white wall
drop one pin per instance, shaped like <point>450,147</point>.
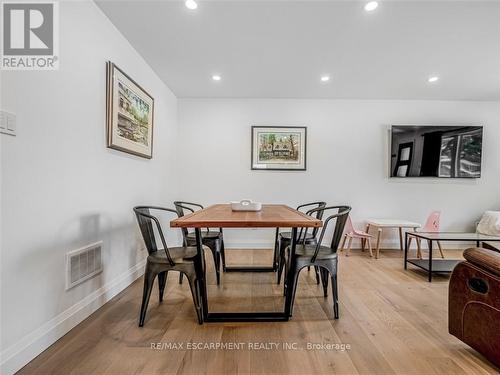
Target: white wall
<point>63,189</point>
<point>347,159</point>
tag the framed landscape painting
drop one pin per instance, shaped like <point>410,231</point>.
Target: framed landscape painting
<point>129,114</point>
<point>279,148</point>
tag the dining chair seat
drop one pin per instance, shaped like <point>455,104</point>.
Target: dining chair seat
<point>178,255</point>
<point>325,252</point>
<point>356,233</point>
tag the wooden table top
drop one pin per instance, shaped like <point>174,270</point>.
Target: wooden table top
<point>271,216</point>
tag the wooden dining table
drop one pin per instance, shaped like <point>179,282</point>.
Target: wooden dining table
<point>221,216</point>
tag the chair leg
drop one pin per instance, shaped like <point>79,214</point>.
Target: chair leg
<point>293,285</point>
<point>324,280</point>
<point>223,254</point>
<point>349,244</point>
<point>217,267</point>
<point>214,247</point>
<point>335,296</point>
<point>149,278</point>
<point>195,292</point>
<point>217,260</point>
<point>282,260</point>
<point>162,282</point>
<point>343,243</point>
<point>276,249</point>
<point>370,246</point>
<point>410,239</point>
<point>286,267</point>
<point>316,271</point>
<point>440,249</point>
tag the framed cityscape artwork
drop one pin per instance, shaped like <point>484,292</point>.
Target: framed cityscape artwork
<point>279,148</point>
<point>129,114</point>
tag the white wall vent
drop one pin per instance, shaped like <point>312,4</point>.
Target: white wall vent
<point>82,264</point>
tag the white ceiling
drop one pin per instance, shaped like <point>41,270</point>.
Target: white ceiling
<point>279,49</point>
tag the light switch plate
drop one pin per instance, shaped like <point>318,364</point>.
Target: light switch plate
<point>7,123</point>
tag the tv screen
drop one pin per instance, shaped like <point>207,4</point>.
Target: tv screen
<point>436,151</point>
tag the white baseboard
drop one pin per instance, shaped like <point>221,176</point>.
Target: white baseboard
<point>270,245</point>
<point>386,244</point>
<point>249,245</point>
<point>19,354</point>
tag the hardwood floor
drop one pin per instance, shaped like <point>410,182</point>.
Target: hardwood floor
<point>394,321</point>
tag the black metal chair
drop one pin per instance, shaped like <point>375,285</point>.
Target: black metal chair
<point>284,239</point>
<point>324,257</point>
<point>214,240</point>
<point>162,260</point>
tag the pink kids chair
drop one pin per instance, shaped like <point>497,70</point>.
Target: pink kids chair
<point>351,232</point>
<point>430,226</point>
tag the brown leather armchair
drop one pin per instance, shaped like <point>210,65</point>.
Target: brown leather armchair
<point>474,302</point>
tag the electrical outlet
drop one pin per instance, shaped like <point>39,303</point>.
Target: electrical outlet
<point>7,123</point>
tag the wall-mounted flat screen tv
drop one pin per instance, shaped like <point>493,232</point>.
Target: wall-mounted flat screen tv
<point>436,151</point>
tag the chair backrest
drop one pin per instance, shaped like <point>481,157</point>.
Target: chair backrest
<point>317,214</point>
<point>145,220</point>
<point>185,208</point>
<point>432,223</point>
<point>340,217</point>
<point>349,227</point>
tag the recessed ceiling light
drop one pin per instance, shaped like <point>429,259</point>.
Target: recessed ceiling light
<point>371,6</point>
<point>191,4</point>
<point>216,77</point>
<point>433,79</point>
<point>325,78</point>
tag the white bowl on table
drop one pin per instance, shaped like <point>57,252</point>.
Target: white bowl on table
<point>246,205</point>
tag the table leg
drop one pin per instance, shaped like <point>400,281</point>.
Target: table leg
<point>363,241</point>
<point>291,275</point>
<point>401,238</point>
<point>200,271</point>
<point>430,260</point>
<point>379,234</point>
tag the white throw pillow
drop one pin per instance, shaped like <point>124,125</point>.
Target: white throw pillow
<point>490,223</point>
